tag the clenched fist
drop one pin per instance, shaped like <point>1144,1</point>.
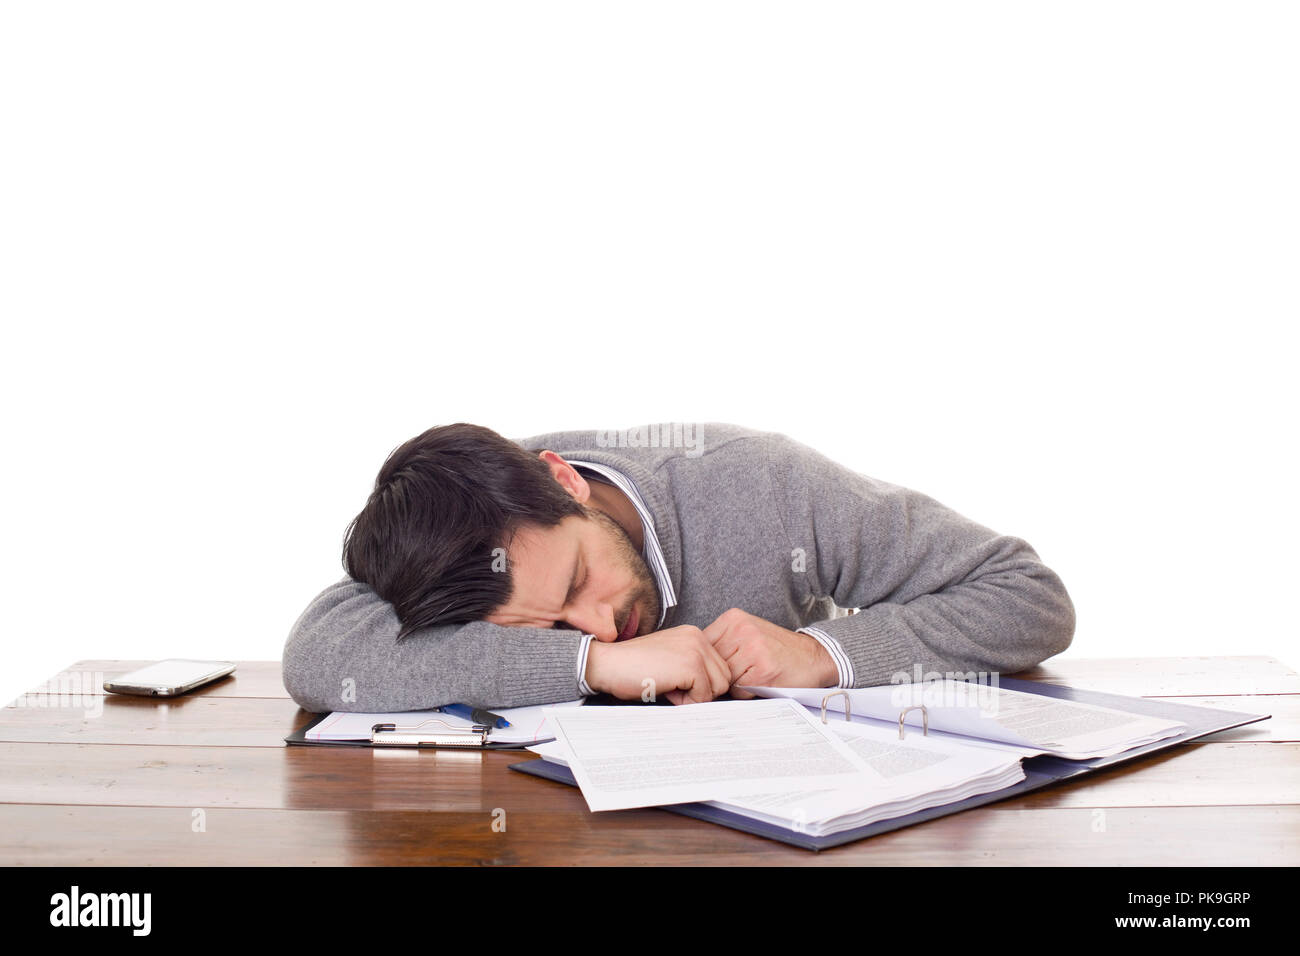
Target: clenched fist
<point>762,654</point>
<point>679,663</point>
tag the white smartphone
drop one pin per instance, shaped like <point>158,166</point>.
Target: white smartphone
<point>169,678</point>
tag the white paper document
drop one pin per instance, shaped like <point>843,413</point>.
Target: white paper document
<point>909,775</point>
<point>628,756</point>
<point>982,712</point>
<point>918,773</point>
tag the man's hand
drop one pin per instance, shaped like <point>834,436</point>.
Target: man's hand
<point>679,663</point>
<point>761,654</point>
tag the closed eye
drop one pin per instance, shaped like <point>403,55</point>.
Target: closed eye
<point>575,588</point>
<point>568,599</point>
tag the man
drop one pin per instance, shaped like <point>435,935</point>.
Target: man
<point>675,561</point>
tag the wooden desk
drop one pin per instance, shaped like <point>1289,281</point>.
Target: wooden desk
<point>206,779</point>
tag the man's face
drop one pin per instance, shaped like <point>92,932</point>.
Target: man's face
<point>585,574</point>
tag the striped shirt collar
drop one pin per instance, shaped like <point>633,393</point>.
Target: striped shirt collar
<point>653,554</point>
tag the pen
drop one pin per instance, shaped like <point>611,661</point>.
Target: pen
<point>475,714</point>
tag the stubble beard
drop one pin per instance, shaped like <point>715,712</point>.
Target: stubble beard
<point>646,597</point>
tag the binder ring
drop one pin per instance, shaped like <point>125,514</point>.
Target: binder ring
<point>925,720</point>
<point>847,704</point>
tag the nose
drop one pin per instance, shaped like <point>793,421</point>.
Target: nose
<point>598,620</point>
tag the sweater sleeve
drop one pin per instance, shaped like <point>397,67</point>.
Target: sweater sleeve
<point>932,588</point>
<point>343,654</point>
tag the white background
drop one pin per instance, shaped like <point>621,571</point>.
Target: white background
<point>1037,260</point>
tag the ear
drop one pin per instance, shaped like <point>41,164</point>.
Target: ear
<point>567,476</point>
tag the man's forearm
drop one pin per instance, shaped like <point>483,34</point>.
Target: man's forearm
<point>343,654</point>
<point>996,623</point>
<point>936,591</point>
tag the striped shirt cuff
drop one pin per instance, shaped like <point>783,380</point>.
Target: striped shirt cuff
<point>833,648</point>
<point>584,689</point>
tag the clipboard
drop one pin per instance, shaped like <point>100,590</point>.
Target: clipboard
<point>428,733</point>
<point>1041,771</point>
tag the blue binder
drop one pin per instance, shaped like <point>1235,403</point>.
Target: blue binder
<point>1042,771</point>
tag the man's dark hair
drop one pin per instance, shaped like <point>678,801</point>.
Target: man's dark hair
<point>442,503</point>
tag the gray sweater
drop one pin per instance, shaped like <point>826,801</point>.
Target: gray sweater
<point>746,519</point>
